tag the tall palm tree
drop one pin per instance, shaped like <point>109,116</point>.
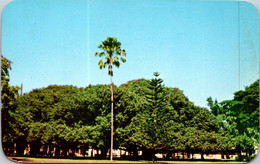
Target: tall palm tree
<point>112,54</point>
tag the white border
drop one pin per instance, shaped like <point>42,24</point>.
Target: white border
<point>3,3</point>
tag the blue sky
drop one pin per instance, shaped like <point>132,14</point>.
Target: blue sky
<point>205,48</point>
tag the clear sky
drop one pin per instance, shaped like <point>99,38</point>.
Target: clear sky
<point>205,48</point>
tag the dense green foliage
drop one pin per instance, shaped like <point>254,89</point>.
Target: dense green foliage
<point>8,97</point>
<point>149,116</point>
<point>239,120</point>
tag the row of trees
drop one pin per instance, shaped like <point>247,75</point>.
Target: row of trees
<point>239,119</point>
<point>148,116</point>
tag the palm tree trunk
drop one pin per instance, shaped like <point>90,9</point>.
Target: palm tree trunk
<point>112,118</point>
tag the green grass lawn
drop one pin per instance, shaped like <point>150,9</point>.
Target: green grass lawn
<point>52,160</point>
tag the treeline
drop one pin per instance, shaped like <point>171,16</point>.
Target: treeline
<point>148,116</point>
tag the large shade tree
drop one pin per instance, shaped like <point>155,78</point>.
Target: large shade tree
<point>113,54</point>
<point>239,119</point>
<point>8,97</point>
<point>149,117</point>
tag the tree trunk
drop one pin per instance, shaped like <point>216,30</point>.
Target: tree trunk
<point>104,153</point>
<point>65,151</point>
<point>168,155</point>
<point>83,152</point>
<point>222,155</point>
<point>148,154</point>
<point>57,152</point>
<point>250,152</point>
<point>35,148</point>
<point>135,154</point>
<point>92,151</point>
<point>227,155</point>
<point>20,146</point>
<point>45,150</point>
<point>202,155</point>
<point>188,154</point>
<point>112,118</point>
<point>239,152</point>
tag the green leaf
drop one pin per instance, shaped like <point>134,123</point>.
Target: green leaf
<point>123,59</point>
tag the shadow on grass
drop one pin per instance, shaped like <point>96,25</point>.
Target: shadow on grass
<point>102,160</point>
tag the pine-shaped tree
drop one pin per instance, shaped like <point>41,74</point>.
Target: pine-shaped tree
<point>154,116</point>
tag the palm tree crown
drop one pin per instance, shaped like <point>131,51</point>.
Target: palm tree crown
<point>112,52</point>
